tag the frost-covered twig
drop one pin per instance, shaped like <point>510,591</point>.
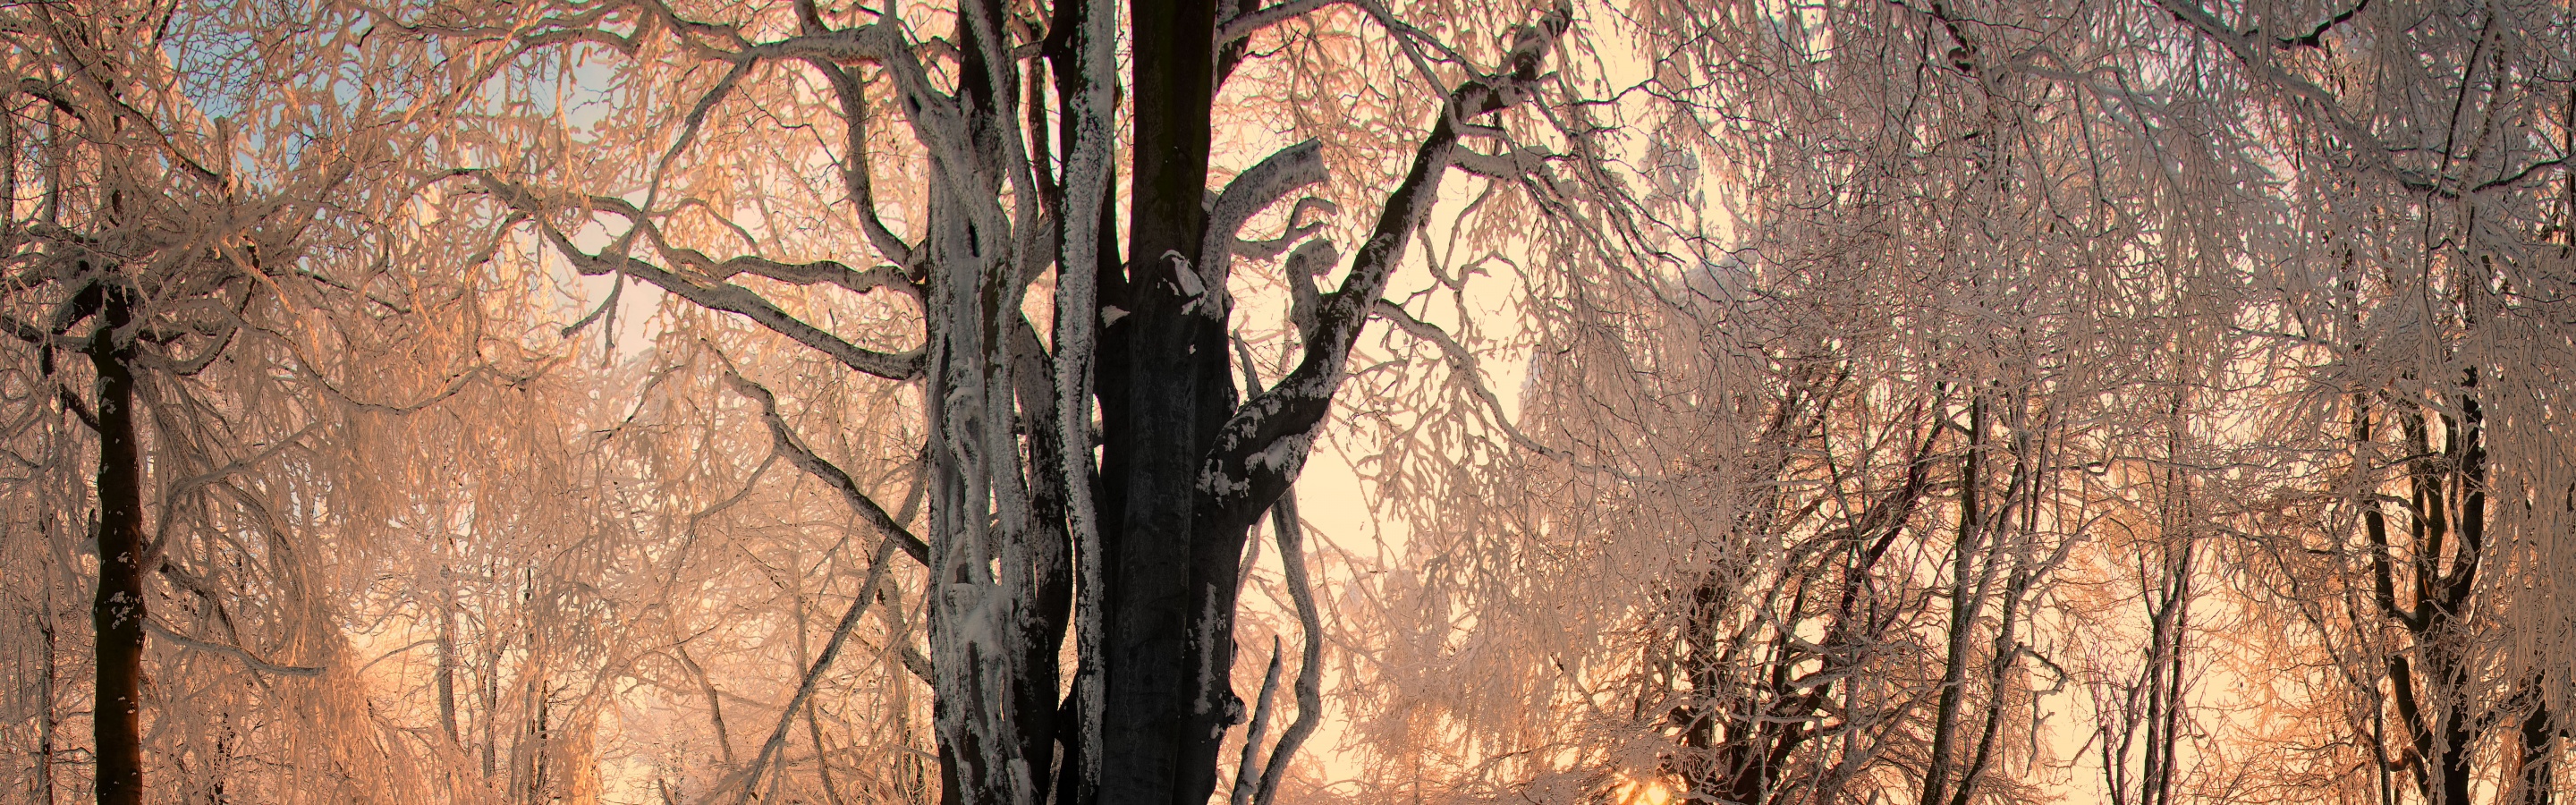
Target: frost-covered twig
<point>832,475</point>
<point>236,652</point>
<point>1247,771</point>
<point>822,663</point>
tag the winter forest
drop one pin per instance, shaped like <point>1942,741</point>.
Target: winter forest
<point>1288,402</point>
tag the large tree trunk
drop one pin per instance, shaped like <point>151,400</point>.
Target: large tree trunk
<point>1015,510</point>
<point>999,554</point>
<point>1164,392</point>
<point>119,609</point>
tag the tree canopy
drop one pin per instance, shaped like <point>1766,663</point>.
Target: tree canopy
<point>1068,402</point>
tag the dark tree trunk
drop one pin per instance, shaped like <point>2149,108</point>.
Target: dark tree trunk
<point>1164,393</point>
<point>1963,613</point>
<point>2539,749</point>
<point>1017,513</point>
<point>490,673</point>
<point>46,719</point>
<point>2431,692</point>
<point>446,678</point>
<point>119,609</point>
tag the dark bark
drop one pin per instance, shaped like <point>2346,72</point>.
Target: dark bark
<point>2441,715</point>
<point>490,672</point>
<point>1964,604</point>
<point>2539,750</point>
<point>47,721</point>
<point>446,673</point>
<point>1160,413</point>
<point>2148,721</point>
<point>118,611</point>
<point>1995,525</point>
<point>2165,694</point>
<point>1051,548</point>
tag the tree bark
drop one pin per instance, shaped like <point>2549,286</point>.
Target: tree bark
<point>446,679</point>
<point>1164,390</point>
<point>2539,750</point>
<point>118,611</point>
<point>46,721</point>
<point>1964,603</point>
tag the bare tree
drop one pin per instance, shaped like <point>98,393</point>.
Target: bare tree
<point>205,286</point>
<point>993,282</point>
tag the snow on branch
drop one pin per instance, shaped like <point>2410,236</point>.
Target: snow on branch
<point>1263,446</point>
<point>1310,671</point>
<point>2364,146</point>
<point>856,184</point>
<point>1253,190</point>
<point>936,118</point>
<point>722,296</point>
<point>810,272</point>
<point>786,441</point>
<point>236,652</point>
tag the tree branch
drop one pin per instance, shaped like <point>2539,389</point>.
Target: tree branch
<point>784,438</point>
<point>1310,671</point>
<point>814,675</point>
<point>1253,190</point>
<point>1251,22</point>
<point>856,183</point>
<point>1260,450</point>
<point>1247,771</point>
<point>235,652</point>
<point>721,296</point>
<point>2366,147</point>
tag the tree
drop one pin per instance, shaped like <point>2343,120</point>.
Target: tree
<point>2430,212</point>
<point>1820,484</point>
<point>1775,404</point>
<point>997,287</point>
<point>202,283</point>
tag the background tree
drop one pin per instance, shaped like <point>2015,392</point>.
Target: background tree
<point>204,283</point>
<point>1927,402</point>
<point>2413,315</point>
<point>1960,246</point>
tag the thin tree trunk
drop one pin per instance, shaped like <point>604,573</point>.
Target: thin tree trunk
<point>491,674</point>
<point>1310,668</point>
<point>2539,750</point>
<point>2169,623</point>
<point>537,738</point>
<point>446,678</point>
<point>1963,617</point>
<point>118,612</point>
<point>46,721</point>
